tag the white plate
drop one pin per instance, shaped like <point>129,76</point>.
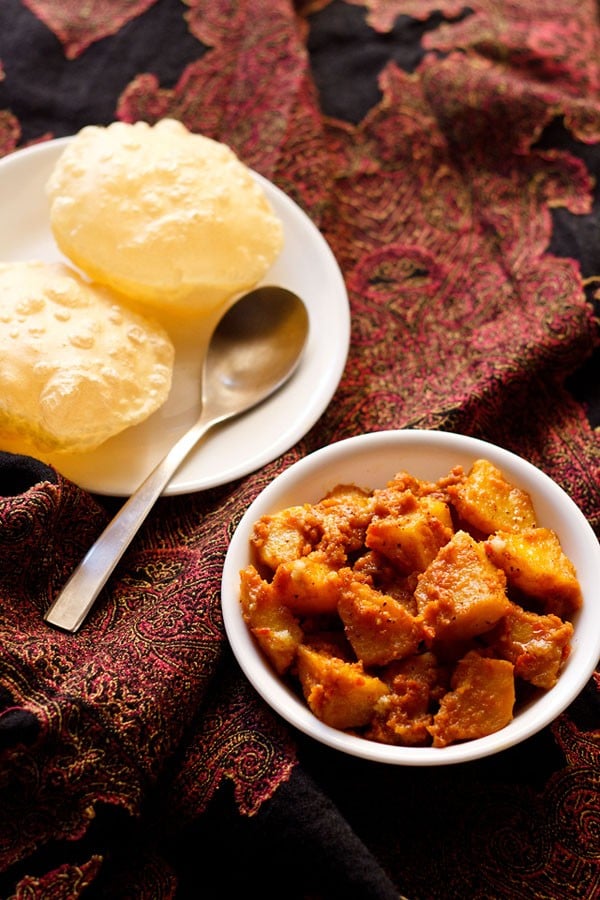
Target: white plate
<point>306,266</point>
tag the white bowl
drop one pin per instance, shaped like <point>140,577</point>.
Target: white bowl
<point>370,460</point>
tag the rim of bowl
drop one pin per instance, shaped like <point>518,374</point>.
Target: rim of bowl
<point>310,478</point>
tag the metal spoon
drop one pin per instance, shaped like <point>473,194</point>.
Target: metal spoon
<point>254,349</point>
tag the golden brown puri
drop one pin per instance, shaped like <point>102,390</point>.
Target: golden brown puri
<point>76,366</point>
<point>173,220</point>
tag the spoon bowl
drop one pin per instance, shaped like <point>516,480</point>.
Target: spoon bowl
<point>254,349</point>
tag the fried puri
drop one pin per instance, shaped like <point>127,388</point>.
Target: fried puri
<point>171,219</point>
<point>76,366</point>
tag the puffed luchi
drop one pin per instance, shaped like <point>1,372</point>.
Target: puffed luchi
<point>171,219</point>
<point>76,366</point>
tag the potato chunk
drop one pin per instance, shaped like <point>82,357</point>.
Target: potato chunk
<point>403,716</point>
<point>537,645</point>
<point>423,672</point>
<point>410,536</point>
<point>308,586</point>
<point>461,594</point>
<point>535,564</point>
<point>339,693</point>
<point>399,721</point>
<point>272,624</point>
<point>488,502</point>
<point>379,628</point>
<point>345,513</point>
<point>336,525</point>
<point>481,700</point>
<point>285,536</point>
<point>379,572</point>
<point>437,508</point>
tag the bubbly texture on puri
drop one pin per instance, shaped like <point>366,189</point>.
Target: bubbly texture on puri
<point>169,218</point>
<point>76,366</point>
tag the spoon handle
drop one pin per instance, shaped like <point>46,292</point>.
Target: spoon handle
<point>77,597</point>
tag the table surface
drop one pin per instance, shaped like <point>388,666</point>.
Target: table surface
<point>449,155</point>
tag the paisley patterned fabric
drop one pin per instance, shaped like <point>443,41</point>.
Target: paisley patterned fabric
<point>450,156</point>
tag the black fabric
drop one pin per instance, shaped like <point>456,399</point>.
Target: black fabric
<point>19,473</point>
<point>85,91</point>
<point>297,846</point>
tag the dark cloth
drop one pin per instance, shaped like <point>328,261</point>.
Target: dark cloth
<point>450,155</point>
